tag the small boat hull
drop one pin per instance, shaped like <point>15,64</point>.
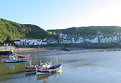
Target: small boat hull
<point>30,69</point>
<point>22,56</point>
<point>15,60</point>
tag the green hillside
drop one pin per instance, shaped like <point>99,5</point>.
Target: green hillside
<point>10,31</point>
<point>37,32</point>
<point>93,30</point>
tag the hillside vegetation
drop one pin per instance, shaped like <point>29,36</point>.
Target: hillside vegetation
<point>10,31</point>
<point>37,32</point>
<point>93,30</point>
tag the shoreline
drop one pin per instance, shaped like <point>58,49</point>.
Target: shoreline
<point>55,50</point>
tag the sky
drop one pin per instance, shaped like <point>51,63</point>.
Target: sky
<point>60,14</point>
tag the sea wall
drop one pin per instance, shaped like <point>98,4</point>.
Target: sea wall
<point>83,45</point>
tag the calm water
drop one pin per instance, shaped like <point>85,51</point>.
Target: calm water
<point>91,67</point>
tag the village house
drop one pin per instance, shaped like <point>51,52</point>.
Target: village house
<point>64,36</point>
<point>44,42</point>
<point>17,42</point>
<point>80,40</point>
<point>95,40</point>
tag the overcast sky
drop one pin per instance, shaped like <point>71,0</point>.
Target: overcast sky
<point>57,14</point>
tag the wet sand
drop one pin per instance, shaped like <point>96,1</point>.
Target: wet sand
<point>53,50</point>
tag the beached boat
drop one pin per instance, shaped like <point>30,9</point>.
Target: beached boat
<point>23,56</point>
<point>19,56</point>
<point>33,68</point>
<point>14,60</point>
<point>52,69</point>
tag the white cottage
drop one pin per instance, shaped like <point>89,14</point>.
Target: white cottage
<point>17,42</point>
<point>95,40</point>
<point>80,40</point>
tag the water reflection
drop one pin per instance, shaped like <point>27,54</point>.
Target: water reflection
<point>11,66</point>
<point>8,70</point>
<point>45,77</point>
<point>30,73</point>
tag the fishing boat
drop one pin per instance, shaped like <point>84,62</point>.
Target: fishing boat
<point>23,56</point>
<point>14,60</point>
<point>19,56</point>
<point>33,68</point>
<point>50,70</point>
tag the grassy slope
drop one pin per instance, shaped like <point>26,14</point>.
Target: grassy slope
<point>37,32</point>
<point>10,31</point>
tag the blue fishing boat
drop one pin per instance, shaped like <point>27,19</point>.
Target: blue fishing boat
<point>15,60</point>
<point>52,69</point>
